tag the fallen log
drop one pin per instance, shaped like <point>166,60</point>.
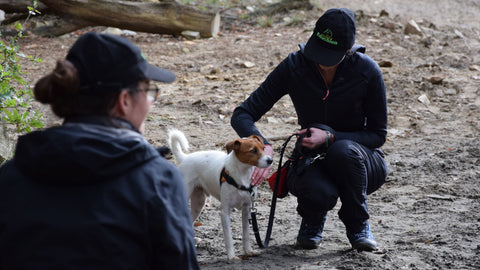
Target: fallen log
<point>56,26</point>
<point>164,17</point>
<point>19,6</point>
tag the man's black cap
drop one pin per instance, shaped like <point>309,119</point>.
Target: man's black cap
<point>333,36</point>
<point>108,62</point>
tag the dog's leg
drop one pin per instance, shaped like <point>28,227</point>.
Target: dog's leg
<point>227,232</point>
<point>247,248</point>
<point>197,201</point>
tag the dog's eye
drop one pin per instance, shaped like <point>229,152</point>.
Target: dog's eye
<point>254,151</point>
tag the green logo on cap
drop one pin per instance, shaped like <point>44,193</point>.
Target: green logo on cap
<point>327,36</point>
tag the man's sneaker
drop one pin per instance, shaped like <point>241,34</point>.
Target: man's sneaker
<point>310,235</point>
<point>363,240</point>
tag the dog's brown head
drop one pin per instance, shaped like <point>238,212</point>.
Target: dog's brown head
<point>250,151</point>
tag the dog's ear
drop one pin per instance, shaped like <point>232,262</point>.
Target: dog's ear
<point>258,138</point>
<point>230,146</point>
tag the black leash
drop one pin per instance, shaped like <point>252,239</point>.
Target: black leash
<point>264,244</point>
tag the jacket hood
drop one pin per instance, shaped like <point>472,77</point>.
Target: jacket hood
<point>81,153</point>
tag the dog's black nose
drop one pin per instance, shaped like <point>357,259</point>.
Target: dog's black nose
<point>269,161</point>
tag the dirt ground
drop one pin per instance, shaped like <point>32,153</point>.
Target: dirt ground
<point>427,215</point>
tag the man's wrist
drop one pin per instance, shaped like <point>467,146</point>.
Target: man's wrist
<point>329,139</point>
<point>332,138</point>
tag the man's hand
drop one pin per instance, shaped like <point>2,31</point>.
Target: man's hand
<point>259,175</point>
<point>316,139</point>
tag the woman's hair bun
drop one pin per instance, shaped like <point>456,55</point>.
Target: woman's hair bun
<point>59,88</point>
<point>62,82</point>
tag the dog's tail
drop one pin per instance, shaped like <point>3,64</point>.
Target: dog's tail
<point>177,141</point>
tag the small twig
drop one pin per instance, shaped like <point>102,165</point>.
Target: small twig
<point>440,197</point>
<point>278,137</point>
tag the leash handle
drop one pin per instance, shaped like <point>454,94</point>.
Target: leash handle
<point>271,217</point>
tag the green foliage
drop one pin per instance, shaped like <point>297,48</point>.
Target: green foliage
<point>296,20</point>
<point>265,21</point>
<point>16,96</point>
<point>32,11</point>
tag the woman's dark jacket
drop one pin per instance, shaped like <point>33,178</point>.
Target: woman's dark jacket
<point>354,106</point>
<point>88,195</point>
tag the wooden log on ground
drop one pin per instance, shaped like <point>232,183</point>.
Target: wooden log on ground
<point>56,26</point>
<point>19,6</point>
<point>164,17</point>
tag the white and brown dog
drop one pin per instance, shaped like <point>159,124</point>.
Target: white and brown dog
<point>225,176</point>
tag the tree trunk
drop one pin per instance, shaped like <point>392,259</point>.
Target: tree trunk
<point>165,17</point>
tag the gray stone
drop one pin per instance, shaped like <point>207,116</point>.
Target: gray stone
<point>412,28</point>
<point>7,145</point>
<point>191,35</point>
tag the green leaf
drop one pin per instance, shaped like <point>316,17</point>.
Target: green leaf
<point>15,92</point>
<point>18,26</point>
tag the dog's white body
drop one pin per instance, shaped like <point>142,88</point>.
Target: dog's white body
<point>202,172</point>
